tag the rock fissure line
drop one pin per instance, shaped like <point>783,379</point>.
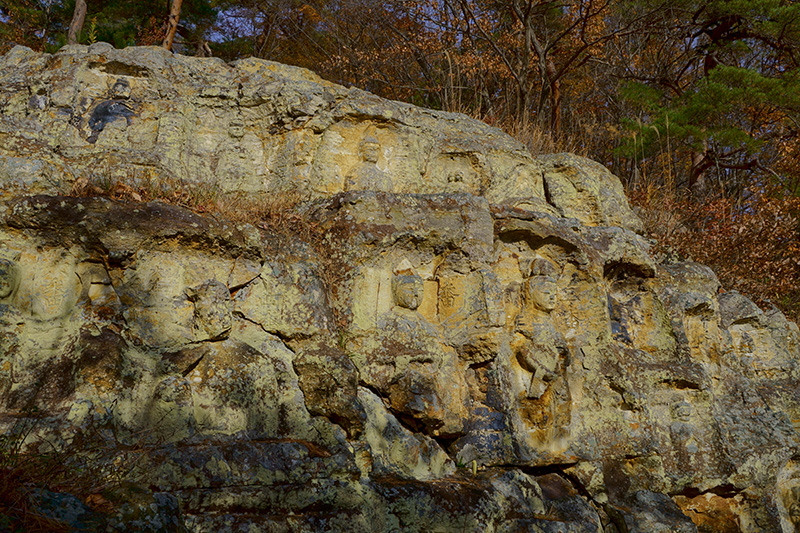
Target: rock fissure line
<point>448,300</point>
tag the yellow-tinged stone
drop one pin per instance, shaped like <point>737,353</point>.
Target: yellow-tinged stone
<point>429,307</point>
<point>422,282</point>
<point>49,287</point>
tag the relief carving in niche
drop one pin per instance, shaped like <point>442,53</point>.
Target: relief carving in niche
<point>213,310</point>
<point>793,507</point>
<point>542,356</point>
<point>419,375</point>
<point>681,429</point>
<point>241,159</point>
<point>407,290</point>
<point>366,176</point>
<point>9,278</point>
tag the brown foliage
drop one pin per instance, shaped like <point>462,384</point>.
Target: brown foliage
<point>752,246</point>
<point>275,215</point>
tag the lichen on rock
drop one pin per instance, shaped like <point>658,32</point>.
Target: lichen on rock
<point>466,338</point>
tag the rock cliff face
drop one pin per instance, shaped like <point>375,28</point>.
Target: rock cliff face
<point>466,338</point>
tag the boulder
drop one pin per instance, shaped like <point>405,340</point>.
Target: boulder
<point>449,335</point>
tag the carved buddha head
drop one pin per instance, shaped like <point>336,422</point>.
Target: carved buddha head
<point>369,149</point>
<point>407,290</point>
<point>540,291</point>
<point>236,128</point>
<point>682,411</point>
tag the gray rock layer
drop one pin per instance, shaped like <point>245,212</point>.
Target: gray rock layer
<point>465,338</point>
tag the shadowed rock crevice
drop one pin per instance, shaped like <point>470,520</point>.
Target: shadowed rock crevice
<point>725,491</point>
<point>419,327</point>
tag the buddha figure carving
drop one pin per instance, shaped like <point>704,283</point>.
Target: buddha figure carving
<point>407,290</point>
<point>421,377</point>
<point>241,158</point>
<point>10,317</point>
<point>213,308</point>
<point>542,354</point>
<point>540,347</point>
<point>366,176</point>
<point>681,429</point>
<point>236,128</point>
<point>541,292</point>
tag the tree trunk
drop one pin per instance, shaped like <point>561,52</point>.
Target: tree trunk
<point>76,26</point>
<point>701,161</point>
<point>555,98</point>
<point>174,17</point>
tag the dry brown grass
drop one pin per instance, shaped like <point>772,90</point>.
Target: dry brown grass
<point>537,139</point>
<point>272,212</point>
<point>40,450</point>
<point>197,198</point>
<point>276,215</point>
<point>90,466</point>
<point>753,247</point>
<point>19,480</point>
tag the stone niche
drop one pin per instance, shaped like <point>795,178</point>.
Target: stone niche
<point>458,336</point>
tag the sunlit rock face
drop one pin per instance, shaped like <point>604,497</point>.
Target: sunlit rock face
<point>467,338</point>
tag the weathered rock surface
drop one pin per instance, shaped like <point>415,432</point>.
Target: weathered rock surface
<point>468,339</point>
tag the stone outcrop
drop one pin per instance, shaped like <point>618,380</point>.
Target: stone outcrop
<point>466,338</point>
